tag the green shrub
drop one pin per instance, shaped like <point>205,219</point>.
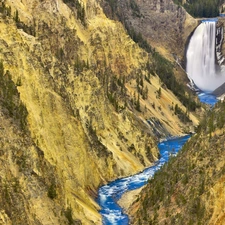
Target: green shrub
<point>52,191</point>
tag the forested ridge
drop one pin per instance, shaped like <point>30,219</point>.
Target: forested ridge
<point>182,192</point>
<point>202,8</point>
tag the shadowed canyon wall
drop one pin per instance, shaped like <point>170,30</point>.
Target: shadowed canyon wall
<point>163,24</point>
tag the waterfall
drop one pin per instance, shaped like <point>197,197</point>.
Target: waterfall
<point>202,68</point>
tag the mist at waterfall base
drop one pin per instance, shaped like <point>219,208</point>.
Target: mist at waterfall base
<point>201,60</point>
<point>108,195</point>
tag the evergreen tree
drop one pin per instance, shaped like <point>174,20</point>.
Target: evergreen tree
<point>202,8</point>
<point>138,107</point>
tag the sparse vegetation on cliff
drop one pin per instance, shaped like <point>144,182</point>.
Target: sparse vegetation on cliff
<point>83,90</point>
<point>80,11</point>
<point>10,98</point>
<point>5,10</point>
<point>182,192</point>
<point>164,69</point>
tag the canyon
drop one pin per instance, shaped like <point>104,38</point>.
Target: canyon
<point>83,103</point>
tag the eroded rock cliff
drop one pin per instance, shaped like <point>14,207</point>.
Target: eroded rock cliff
<point>75,72</point>
<point>163,24</point>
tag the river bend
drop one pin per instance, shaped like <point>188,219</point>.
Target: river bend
<point>108,195</point>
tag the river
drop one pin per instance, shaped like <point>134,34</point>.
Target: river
<point>108,195</point>
<point>205,76</point>
<point>207,98</point>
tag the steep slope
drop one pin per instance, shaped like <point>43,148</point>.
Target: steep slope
<point>158,26</point>
<point>190,188</point>
<point>163,24</point>
<point>84,120</point>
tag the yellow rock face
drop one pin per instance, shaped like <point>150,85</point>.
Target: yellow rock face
<point>84,141</point>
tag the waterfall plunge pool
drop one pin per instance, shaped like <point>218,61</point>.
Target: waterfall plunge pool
<point>207,98</point>
<point>108,195</point>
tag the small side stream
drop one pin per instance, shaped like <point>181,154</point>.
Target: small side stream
<point>109,194</point>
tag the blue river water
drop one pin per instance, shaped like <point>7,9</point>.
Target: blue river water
<point>108,195</point>
<point>207,98</point>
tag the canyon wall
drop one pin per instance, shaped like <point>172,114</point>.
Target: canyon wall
<point>71,116</point>
<point>189,188</point>
<point>165,25</point>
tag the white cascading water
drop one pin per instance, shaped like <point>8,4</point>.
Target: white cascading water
<point>201,58</point>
